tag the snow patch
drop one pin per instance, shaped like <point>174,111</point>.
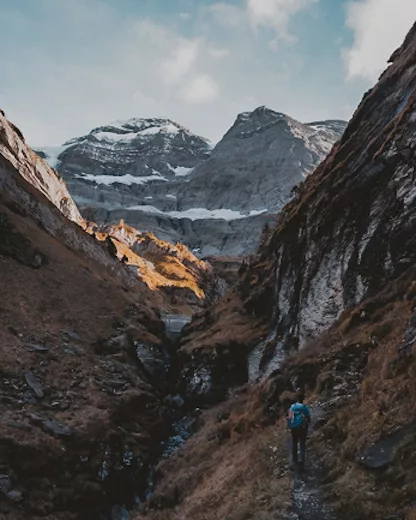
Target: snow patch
<point>112,137</point>
<point>127,179</point>
<point>181,171</point>
<point>168,128</point>
<point>199,213</point>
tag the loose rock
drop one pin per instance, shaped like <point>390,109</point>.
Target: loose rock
<point>56,428</point>
<point>35,385</point>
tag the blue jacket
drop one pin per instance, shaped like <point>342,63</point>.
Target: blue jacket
<point>299,416</point>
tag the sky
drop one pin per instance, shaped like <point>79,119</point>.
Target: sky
<point>71,65</point>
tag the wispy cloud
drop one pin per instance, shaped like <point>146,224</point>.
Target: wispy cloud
<point>276,14</point>
<point>229,15</point>
<point>180,60</point>
<point>379,27</point>
<point>201,89</point>
<point>74,65</point>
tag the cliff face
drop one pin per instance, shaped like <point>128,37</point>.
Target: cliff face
<point>84,355</point>
<point>351,227</point>
<point>349,230</point>
<point>33,170</point>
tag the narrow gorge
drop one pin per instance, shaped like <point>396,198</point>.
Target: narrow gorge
<point>145,380</point>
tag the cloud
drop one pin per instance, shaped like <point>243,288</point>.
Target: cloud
<point>145,69</point>
<point>229,15</point>
<point>180,61</point>
<point>379,27</point>
<point>276,14</point>
<point>201,89</point>
<point>73,66</point>
<point>219,54</point>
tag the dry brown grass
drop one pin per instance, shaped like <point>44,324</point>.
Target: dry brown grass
<point>384,402</point>
<point>239,478</point>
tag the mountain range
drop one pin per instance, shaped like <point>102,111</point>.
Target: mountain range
<point>161,178</point>
<point>112,409</point>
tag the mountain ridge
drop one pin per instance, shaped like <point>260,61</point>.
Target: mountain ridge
<point>229,179</point>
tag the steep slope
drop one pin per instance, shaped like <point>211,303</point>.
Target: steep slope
<point>82,416</point>
<point>336,278</point>
<point>186,282</point>
<point>102,146</point>
<point>163,179</point>
<point>349,230</point>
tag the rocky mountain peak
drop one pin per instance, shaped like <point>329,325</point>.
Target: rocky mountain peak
<point>259,119</point>
<point>142,129</point>
<point>262,119</point>
<point>134,151</point>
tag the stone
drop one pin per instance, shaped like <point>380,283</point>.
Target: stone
<point>56,428</point>
<point>114,345</point>
<point>19,425</point>
<point>119,513</point>
<point>382,453</point>
<point>34,384</point>
<point>15,495</point>
<point>38,261</point>
<point>153,359</point>
<point>5,483</point>
<point>114,383</point>
<point>36,348</point>
<point>71,335</point>
<point>70,351</point>
<point>36,418</point>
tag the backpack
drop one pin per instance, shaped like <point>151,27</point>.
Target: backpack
<point>298,419</point>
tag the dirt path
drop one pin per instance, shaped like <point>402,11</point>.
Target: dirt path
<point>307,484</point>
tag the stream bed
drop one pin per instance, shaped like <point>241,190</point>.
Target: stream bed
<point>132,476</point>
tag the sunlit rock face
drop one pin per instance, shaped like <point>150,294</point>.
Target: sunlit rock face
<point>161,178</point>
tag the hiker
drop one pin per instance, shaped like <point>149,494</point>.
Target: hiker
<point>299,418</point>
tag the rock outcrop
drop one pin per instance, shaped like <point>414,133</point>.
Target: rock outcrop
<point>174,270</point>
<point>82,415</point>
<point>350,228</point>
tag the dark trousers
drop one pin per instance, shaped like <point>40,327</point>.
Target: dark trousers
<point>299,438</point>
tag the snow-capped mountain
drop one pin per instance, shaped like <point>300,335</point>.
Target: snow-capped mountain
<point>110,167</point>
<point>148,148</point>
<point>160,177</point>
